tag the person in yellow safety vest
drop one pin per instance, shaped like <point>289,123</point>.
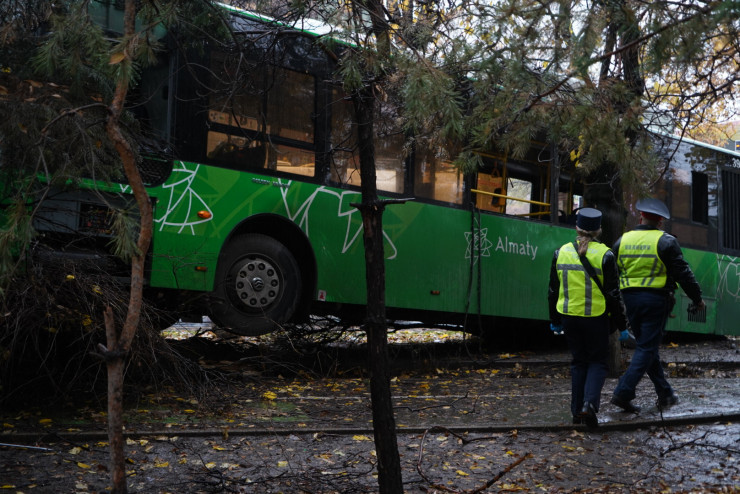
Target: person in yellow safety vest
<point>650,264</point>
<point>583,310</point>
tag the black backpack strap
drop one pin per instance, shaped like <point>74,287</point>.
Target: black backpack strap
<point>589,269</point>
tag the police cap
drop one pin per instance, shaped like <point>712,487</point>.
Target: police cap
<point>589,219</point>
<point>653,206</point>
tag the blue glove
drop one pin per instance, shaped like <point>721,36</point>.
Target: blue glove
<point>556,328</point>
<point>624,335</point>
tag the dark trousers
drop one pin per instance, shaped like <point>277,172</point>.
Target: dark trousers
<point>647,312</point>
<point>588,340</point>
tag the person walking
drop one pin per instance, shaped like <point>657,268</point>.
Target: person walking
<point>583,295</point>
<point>650,264</point>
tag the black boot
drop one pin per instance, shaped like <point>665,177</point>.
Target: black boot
<point>588,415</point>
<point>625,405</point>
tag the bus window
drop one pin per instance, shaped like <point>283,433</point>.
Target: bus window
<point>290,160</point>
<point>515,188</point>
<point>492,181</point>
<point>690,191</point>
<point>291,104</point>
<point>390,155</point>
<point>235,150</point>
<point>345,161</point>
<point>435,177</point>
<point>389,163</point>
<point>256,112</point>
<point>568,206</point>
<point>731,214</point>
<point>518,189</point>
<point>699,197</point>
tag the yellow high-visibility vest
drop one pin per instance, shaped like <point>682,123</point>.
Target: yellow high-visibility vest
<point>579,295</point>
<point>639,264</point>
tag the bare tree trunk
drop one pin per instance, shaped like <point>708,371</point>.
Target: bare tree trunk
<point>384,425</point>
<point>115,367</point>
<point>119,345</point>
<point>604,191</point>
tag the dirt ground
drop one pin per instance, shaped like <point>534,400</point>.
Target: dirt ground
<point>312,435</point>
<point>701,458</point>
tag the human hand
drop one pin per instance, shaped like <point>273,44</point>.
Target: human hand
<point>694,308</point>
<point>556,328</point>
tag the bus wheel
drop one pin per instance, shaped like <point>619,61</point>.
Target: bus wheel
<point>258,286</point>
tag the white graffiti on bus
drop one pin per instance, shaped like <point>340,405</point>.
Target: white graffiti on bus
<point>729,276</point>
<point>344,210</point>
<point>177,198</point>
<point>186,197</point>
<point>182,195</point>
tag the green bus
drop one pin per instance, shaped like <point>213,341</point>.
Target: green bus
<point>254,215</point>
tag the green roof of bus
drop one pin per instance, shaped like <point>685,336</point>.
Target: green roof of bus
<point>313,27</point>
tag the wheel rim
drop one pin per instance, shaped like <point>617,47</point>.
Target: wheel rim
<point>257,283</point>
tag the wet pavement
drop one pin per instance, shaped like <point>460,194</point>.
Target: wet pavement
<point>501,392</point>
<point>518,391</point>
<point>529,390</point>
<point>510,391</point>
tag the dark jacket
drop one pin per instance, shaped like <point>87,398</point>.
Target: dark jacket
<point>614,303</point>
<point>678,270</point>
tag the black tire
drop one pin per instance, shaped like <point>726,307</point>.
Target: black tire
<point>257,287</point>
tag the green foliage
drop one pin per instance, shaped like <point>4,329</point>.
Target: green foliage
<point>126,228</point>
<point>431,103</point>
<point>76,52</point>
<point>351,73</point>
<point>16,234</point>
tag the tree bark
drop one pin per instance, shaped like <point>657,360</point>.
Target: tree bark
<point>119,345</point>
<point>604,192</point>
<point>115,367</point>
<point>605,189</point>
<point>384,425</point>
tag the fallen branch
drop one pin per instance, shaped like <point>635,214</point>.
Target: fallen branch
<point>483,487</point>
<point>23,446</point>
